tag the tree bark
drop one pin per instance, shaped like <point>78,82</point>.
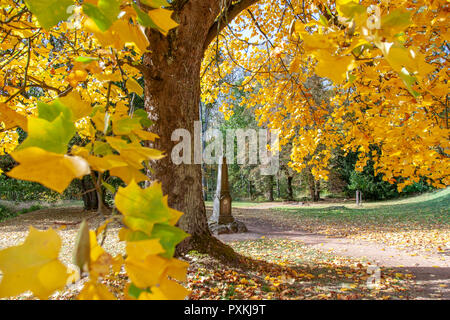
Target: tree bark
<point>314,186</point>
<point>278,187</point>
<point>172,96</point>
<point>289,188</point>
<point>89,194</point>
<point>317,190</point>
<point>269,190</point>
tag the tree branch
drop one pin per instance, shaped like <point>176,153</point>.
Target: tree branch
<point>225,18</point>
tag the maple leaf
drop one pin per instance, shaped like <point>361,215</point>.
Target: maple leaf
<point>52,170</point>
<point>11,118</point>
<point>142,208</point>
<point>33,265</point>
<point>95,291</point>
<point>49,12</point>
<point>167,290</point>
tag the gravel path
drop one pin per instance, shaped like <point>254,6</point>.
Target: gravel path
<point>65,221</point>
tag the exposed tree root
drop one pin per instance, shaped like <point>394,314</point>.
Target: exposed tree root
<point>210,245</point>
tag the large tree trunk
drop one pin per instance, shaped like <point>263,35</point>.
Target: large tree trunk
<point>172,96</point>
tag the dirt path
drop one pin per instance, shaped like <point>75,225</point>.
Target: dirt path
<point>431,271</point>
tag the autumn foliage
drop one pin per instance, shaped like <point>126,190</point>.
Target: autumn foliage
<point>71,68</point>
<point>85,87</point>
<point>386,63</point>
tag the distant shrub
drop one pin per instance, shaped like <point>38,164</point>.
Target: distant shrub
<point>5,213</point>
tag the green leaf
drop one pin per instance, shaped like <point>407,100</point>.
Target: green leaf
<point>102,148</point>
<point>323,21</point>
<point>109,187</point>
<point>144,18</point>
<point>85,59</point>
<point>409,81</point>
<point>125,126</point>
<point>50,112</point>
<point>142,208</point>
<point>396,21</point>
<point>50,12</point>
<point>350,8</point>
<point>104,14</point>
<point>135,292</point>
<point>169,237</point>
<point>52,136</point>
<point>143,117</point>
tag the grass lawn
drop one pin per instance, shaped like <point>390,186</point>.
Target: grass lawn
<point>427,209</point>
<point>422,222</point>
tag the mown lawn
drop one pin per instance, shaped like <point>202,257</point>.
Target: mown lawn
<point>435,211</point>
<point>422,222</point>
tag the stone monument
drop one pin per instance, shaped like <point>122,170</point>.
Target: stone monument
<point>222,221</point>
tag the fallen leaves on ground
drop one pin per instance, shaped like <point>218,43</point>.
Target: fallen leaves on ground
<point>287,269</point>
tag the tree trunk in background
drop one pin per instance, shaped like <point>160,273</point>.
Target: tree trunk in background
<point>278,188</point>
<point>314,186</point>
<point>289,188</point>
<point>89,194</point>
<point>317,190</point>
<point>172,97</point>
<point>269,188</point>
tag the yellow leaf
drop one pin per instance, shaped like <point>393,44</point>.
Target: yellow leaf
<point>333,67</point>
<point>95,291</point>
<point>144,248</point>
<point>177,269</point>
<point>175,215</point>
<point>145,272</point>
<point>116,76</point>
<point>161,17</point>
<point>11,118</point>
<point>131,34</point>
<point>134,153</point>
<point>101,121</point>
<point>145,135</point>
<point>134,86</point>
<point>100,260</point>
<point>128,174</point>
<point>79,107</point>
<point>33,266</point>
<point>53,170</point>
<point>167,290</point>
